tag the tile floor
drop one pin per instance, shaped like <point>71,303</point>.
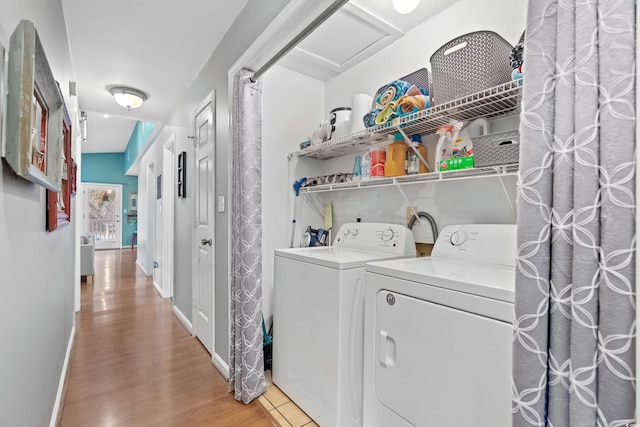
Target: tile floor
<point>282,409</point>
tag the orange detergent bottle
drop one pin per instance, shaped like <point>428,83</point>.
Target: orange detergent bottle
<point>396,157</point>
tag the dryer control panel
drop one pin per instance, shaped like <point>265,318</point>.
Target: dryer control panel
<point>379,237</point>
<point>490,243</point>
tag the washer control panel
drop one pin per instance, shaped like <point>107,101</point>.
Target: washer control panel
<point>491,243</point>
<point>379,237</point>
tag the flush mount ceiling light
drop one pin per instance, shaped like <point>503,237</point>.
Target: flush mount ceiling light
<point>128,97</point>
<point>405,6</point>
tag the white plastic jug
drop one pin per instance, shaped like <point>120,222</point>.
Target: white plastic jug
<point>365,169</point>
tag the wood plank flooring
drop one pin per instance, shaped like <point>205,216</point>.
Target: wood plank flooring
<point>134,364</point>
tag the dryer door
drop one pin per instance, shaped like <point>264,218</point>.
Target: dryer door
<point>438,366</point>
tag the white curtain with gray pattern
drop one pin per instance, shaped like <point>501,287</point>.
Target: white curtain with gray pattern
<point>246,366</point>
<point>574,340</point>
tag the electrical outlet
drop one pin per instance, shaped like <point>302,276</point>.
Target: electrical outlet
<point>220,203</point>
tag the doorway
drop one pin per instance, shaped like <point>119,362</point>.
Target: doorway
<point>203,261</point>
<point>168,214</point>
<point>102,214</point>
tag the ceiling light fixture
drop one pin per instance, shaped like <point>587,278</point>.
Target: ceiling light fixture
<point>405,6</point>
<point>128,97</point>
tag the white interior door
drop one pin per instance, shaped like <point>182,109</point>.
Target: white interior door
<point>102,213</point>
<point>158,241</point>
<point>203,268</point>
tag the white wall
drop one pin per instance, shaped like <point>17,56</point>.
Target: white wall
<point>152,159</point>
<point>472,201</point>
<point>182,244</point>
<point>412,52</point>
<point>253,19</point>
<point>287,120</point>
<point>38,271</point>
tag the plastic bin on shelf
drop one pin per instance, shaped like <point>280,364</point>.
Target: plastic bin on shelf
<point>468,64</point>
<point>495,149</point>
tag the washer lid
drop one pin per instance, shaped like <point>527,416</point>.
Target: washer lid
<point>335,257</point>
<point>487,280</point>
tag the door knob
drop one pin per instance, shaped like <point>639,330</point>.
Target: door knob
<point>206,242</point>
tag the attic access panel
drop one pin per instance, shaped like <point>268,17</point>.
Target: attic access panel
<point>349,36</point>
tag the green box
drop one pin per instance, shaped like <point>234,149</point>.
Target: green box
<point>456,164</point>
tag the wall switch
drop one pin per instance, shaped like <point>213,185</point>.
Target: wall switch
<point>220,203</point>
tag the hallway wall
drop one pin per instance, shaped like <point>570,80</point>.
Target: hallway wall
<point>37,282</point>
<point>254,18</point>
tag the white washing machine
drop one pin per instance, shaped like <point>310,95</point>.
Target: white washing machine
<point>318,319</point>
<point>438,332</point>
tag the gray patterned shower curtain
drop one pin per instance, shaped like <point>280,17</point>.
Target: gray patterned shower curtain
<point>574,339</point>
<point>246,366</point>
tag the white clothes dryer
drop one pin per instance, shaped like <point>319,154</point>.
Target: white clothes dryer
<point>318,319</point>
<point>438,332</point>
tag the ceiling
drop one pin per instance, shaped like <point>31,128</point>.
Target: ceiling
<point>159,46</point>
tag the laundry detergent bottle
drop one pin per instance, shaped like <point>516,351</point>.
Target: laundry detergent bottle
<point>396,157</point>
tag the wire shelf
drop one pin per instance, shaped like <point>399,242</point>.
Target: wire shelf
<point>497,101</point>
<point>471,173</point>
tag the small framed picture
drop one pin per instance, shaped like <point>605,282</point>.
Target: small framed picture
<point>182,177</point>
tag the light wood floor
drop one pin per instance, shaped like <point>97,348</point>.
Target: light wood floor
<point>134,364</point>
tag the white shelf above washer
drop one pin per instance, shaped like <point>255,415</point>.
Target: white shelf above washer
<point>493,102</point>
<point>472,173</point>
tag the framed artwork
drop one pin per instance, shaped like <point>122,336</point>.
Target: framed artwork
<point>74,174</point>
<point>133,202</point>
<point>59,203</point>
<point>35,110</point>
<point>132,214</point>
<point>3,94</point>
<point>182,177</point>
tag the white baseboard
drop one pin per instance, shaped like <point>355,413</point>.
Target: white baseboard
<point>183,319</point>
<point>139,264</point>
<point>63,377</point>
<point>158,289</point>
<point>220,365</point>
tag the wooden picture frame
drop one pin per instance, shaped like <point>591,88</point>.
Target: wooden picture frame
<point>34,119</point>
<point>59,203</point>
<point>3,95</point>
<point>182,175</point>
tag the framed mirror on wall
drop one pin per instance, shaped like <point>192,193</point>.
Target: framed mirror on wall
<point>34,119</point>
